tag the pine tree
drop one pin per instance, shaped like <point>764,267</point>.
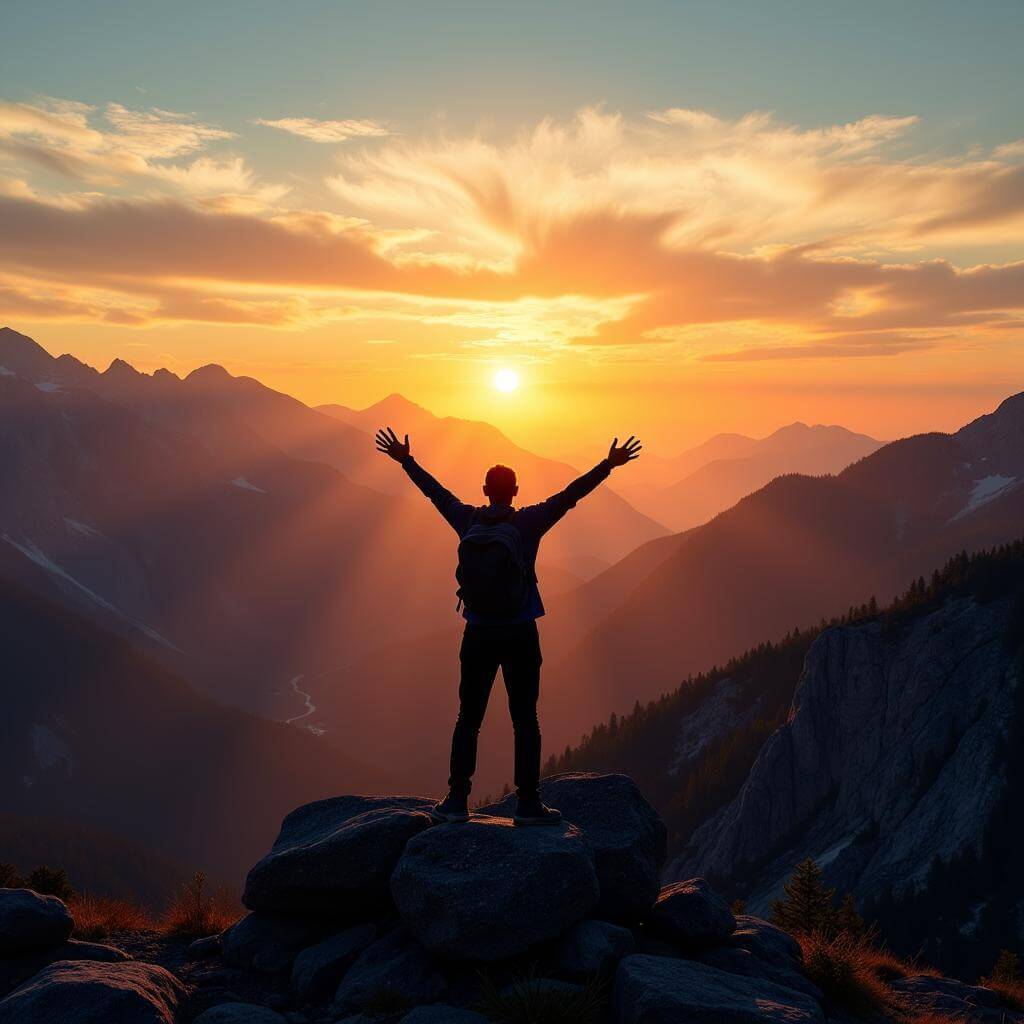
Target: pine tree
<point>848,921</point>
<point>1006,970</point>
<point>49,881</point>
<point>807,906</point>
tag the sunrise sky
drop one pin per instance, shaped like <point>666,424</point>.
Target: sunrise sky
<point>667,218</point>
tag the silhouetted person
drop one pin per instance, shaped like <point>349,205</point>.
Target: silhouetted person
<point>501,603</point>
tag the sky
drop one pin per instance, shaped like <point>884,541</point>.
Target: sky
<point>667,218</point>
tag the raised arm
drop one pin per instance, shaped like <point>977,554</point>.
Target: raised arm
<point>545,514</point>
<point>456,513</point>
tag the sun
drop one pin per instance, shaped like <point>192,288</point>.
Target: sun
<point>506,380</point>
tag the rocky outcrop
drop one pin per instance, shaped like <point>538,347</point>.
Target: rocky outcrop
<point>892,759</point>
<point>448,892</point>
<point>129,993</point>
<point>626,834</point>
<point>593,947</point>
<point>660,990</point>
<point>30,922</point>
<point>335,857</point>
<point>17,969</point>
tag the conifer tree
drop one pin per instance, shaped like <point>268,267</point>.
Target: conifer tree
<point>848,921</point>
<point>49,881</point>
<point>1006,970</point>
<point>807,906</point>
<point>9,877</point>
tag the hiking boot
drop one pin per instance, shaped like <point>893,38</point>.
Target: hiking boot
<point>532,811</point>
<point>452,808</point>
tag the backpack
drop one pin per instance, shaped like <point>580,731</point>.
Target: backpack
<point>492,574</point>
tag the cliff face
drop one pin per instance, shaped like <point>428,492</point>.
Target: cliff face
<point>893,768</point>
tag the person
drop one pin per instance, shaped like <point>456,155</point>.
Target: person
<point>497,555</point>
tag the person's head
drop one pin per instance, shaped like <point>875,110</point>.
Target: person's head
<point>500,485</point>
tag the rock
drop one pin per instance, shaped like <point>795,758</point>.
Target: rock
<point>16,969</point>
<point>692,915</point>
<point>239,1013</point>
<point>395,970</point>
<point>758,949</point>
<point>664,990</point>
<point>441,1014</point>
<point>318,969</point>
<point>970,1004</point>
<point>486,890</point>
<point>538,990</point>
<point>205,948</point>
<point>268,942</point>
<point>30,922</point>
<point>278,1001</point>
<point>335,856</point>
<point>87,991</point>
<point>626,833</point>
<point>593,947</point>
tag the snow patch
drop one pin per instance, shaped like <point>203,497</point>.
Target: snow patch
<point>4,372</point>
<point>83,528</point>
<point>310,706</point>
<point>985,490</point>
<point>240,481</point>
<point>824,859</point>
<point>32,552</point>
<point>48,386</point>
<point>49,749</point>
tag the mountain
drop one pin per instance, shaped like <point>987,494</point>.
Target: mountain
<point>458,452</point>
<point>96,735</point>
<point>714,476</point>
<point>799,550</point>
<point>886,746</point>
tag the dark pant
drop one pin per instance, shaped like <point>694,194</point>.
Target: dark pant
<point>516,649</point>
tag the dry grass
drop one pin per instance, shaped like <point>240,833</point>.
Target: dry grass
<point>846,971</point>
<point>933,1017</point>
<point>194,913</point>
<point>99,917</point>
<point>1010,992</point>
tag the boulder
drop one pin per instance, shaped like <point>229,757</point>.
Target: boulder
<point>970,1004</point>
<point>318,969</point>
<point>441,1014</point>
<point>627,835</point>
<point>486,890</point>
<point>30,922</point>
<point>87,991</point>
<point>335,856</point>
<point>16,969</point>
<point>205,948</point>
<point>268,942</point>
<point>394,970</point>
<point>692,915</point>
<point>664,990</point>
<point>758,949</point>
<point>593,947</point>
<point>239,1013</point>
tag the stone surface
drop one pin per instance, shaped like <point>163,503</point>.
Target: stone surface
<point>393,967</point>
<point>17,969</point>
<point>318,969</point>
<point>239,1013</point>
<point>692,915</point>
<point>840,783</point>
<point>204,949</point>
<point>664,990</point>
<point>268,942</point>
<point>626,833</point>
<point>441,1014</point>
<point>335,856</point>
<point>970,1004</point>
<point>486,890</point>
<point>30,922</point>
<point>593,947</point>
<point>90,992</point>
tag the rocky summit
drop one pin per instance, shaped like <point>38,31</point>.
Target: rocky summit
<point>365,911</point>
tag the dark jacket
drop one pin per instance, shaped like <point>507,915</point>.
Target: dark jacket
<point>532,523</point>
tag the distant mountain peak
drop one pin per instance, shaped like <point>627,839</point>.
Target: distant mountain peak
<point>211,373</point>
<point>21,355</point>
<point>120,368</point>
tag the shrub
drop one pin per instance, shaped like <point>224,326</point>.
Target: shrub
<point>49,881</point>
<point>530,1001</point>
<point>845,970</point>
<point>1006,981</point>
<point>194,912</point>
<point>97,918</point>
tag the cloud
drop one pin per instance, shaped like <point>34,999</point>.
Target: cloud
<point>326,131</point>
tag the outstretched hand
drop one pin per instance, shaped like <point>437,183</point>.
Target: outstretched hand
<point>619,455</point>
<point>388,443</point>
